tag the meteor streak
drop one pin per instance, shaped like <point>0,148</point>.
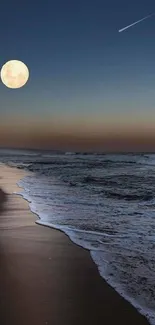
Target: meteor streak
<point>138,21</point>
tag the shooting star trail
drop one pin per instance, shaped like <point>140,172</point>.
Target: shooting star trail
<point>136,22</point>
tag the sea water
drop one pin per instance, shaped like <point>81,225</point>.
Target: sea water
<point>104,203</point>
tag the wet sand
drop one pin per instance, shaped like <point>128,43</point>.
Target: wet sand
<point>44,277</point>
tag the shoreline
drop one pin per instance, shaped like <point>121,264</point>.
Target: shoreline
<point>46,278</point>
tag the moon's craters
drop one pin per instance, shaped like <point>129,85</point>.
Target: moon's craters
<point>14,74</point>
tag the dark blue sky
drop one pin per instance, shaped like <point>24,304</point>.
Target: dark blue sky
<point>78,61</point>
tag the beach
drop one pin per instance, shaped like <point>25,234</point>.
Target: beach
<point>44,277</point>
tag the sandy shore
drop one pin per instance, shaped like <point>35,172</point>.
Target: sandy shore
<point>44,277</point>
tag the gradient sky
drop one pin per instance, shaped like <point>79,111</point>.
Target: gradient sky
<point>79,64</point>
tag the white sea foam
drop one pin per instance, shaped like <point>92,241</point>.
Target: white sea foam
<point>101,258</point>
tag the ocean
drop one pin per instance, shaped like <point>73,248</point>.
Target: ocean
<point>104,203</point>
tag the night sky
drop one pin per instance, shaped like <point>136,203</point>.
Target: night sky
<point>80,66</point>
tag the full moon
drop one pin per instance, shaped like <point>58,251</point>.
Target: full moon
<point>14,74</point>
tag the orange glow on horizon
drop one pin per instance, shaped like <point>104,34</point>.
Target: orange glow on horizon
<point>79,132</point>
